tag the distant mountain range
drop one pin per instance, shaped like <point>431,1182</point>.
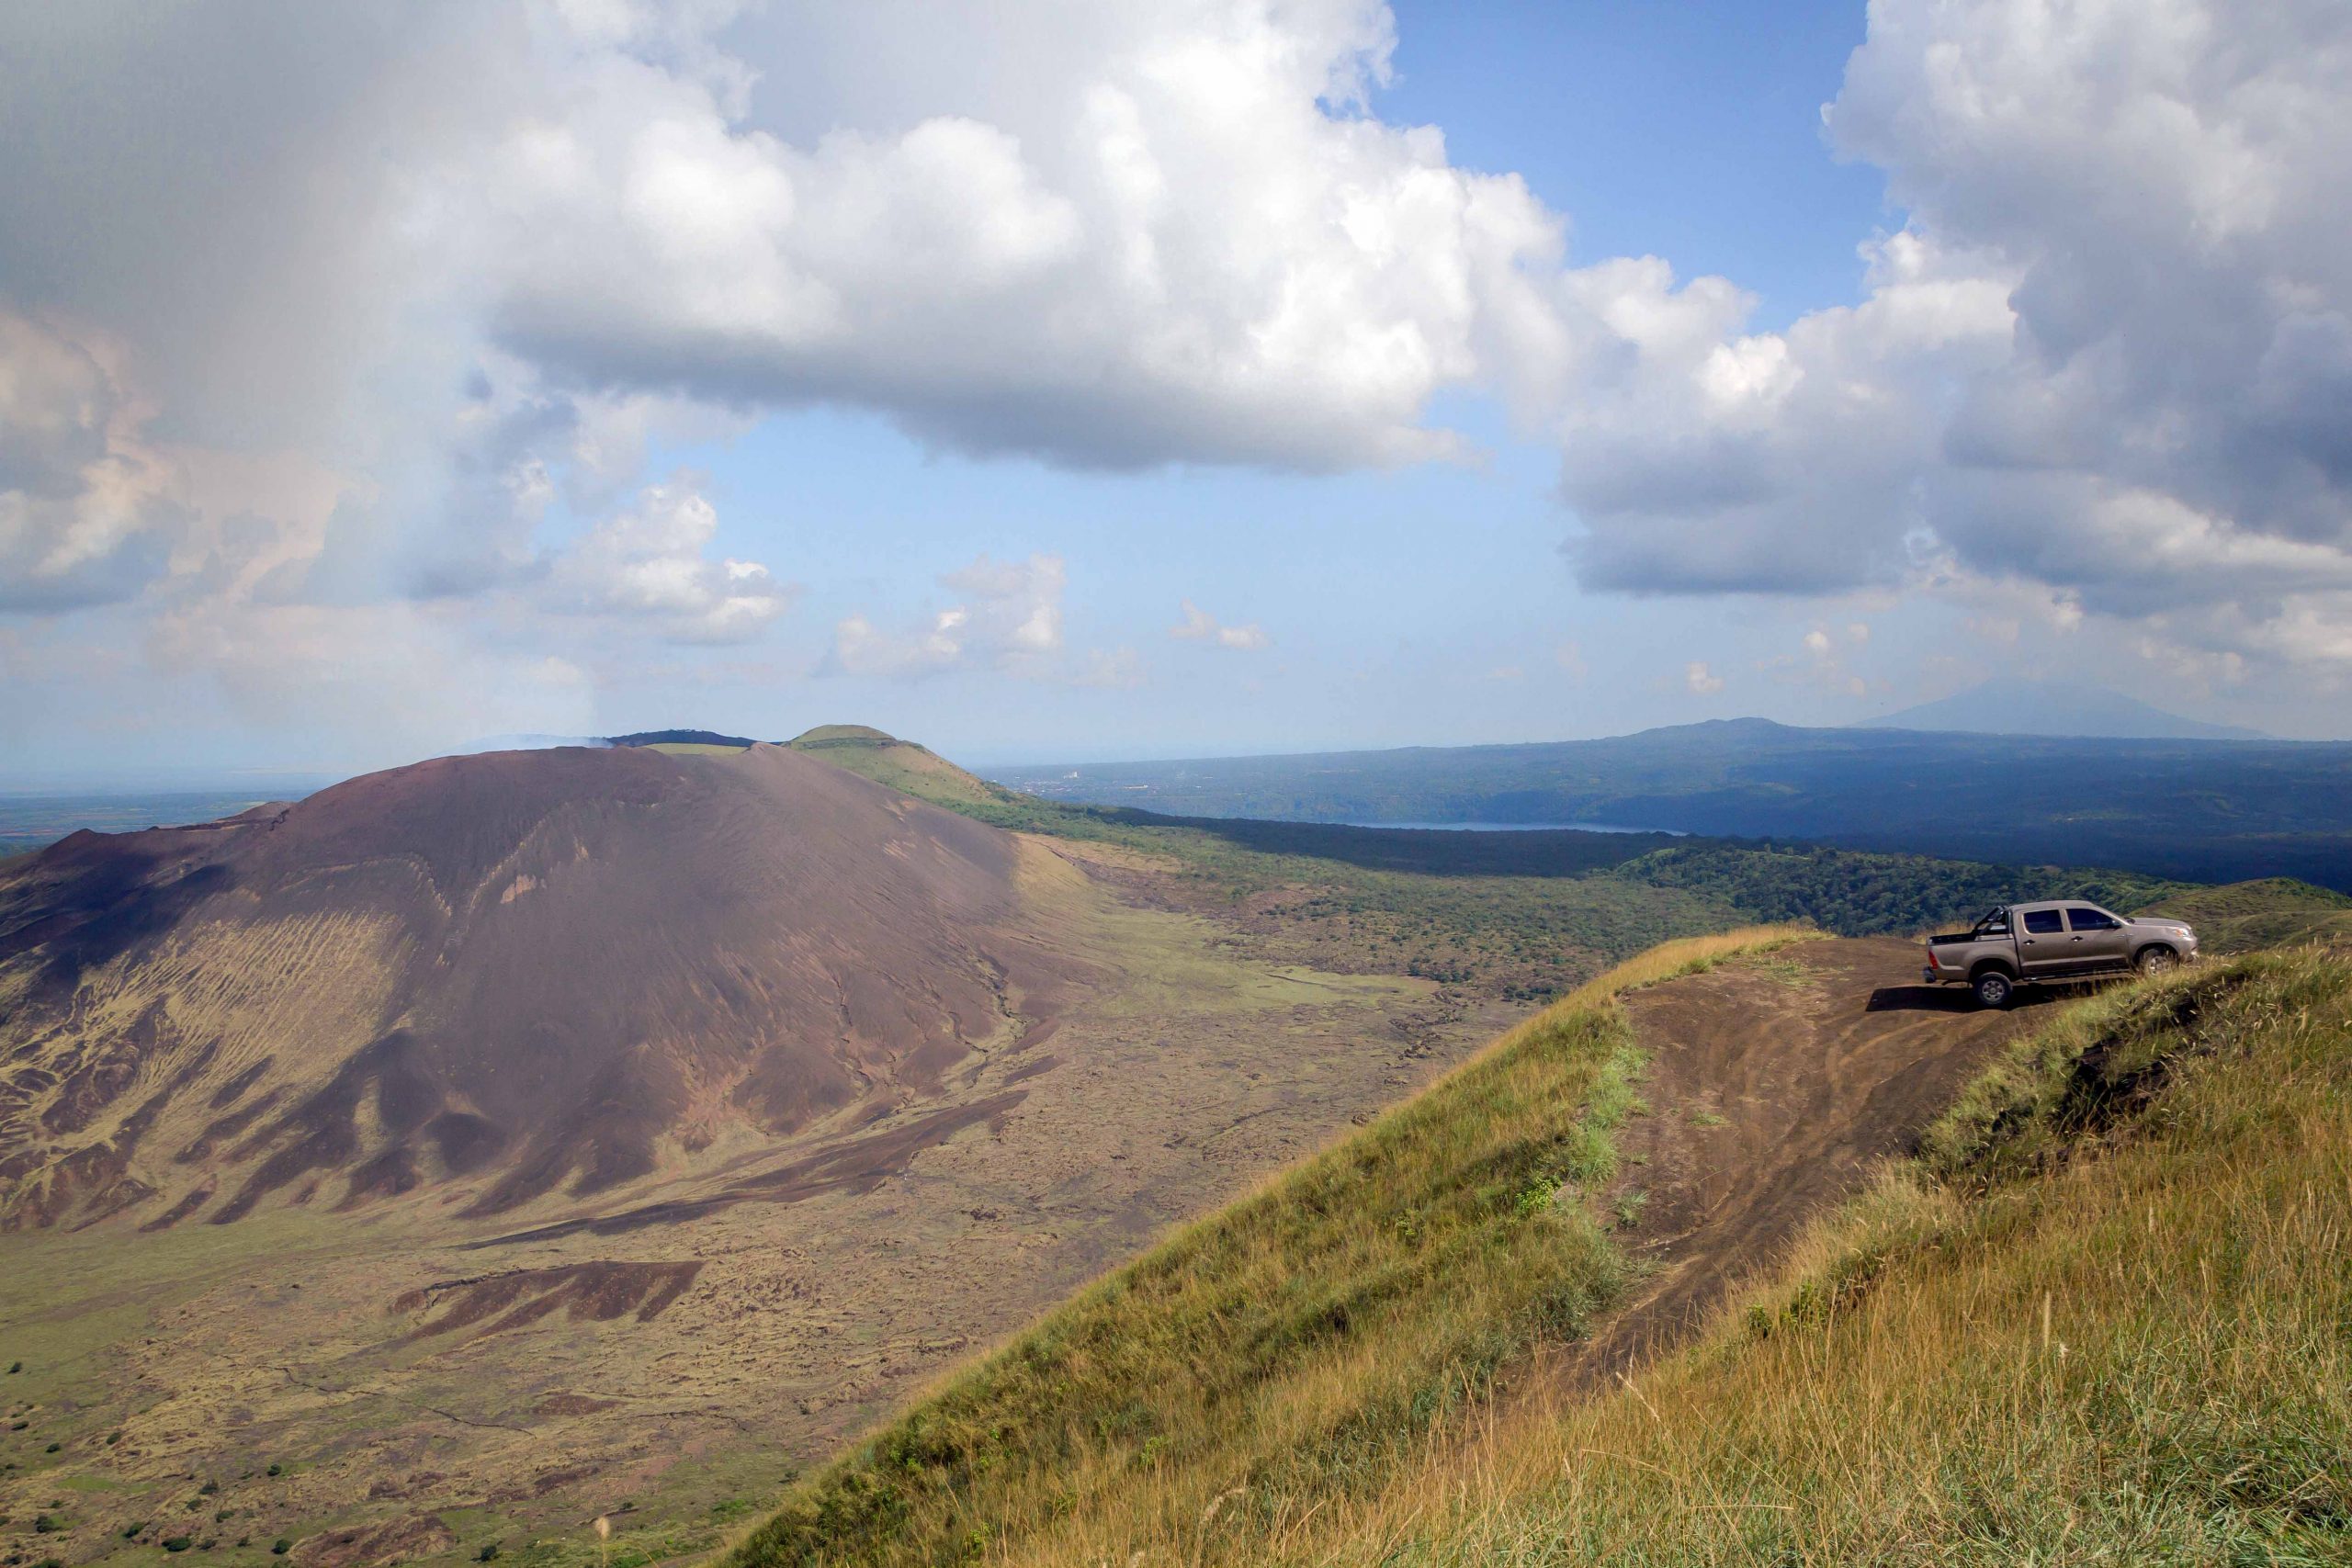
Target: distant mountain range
<point>2055,707</point>
<point>2207,810</point>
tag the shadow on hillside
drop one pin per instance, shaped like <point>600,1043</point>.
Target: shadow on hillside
<point>1958,999</point>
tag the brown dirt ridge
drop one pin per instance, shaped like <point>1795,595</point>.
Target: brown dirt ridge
<point>1774,1086</point>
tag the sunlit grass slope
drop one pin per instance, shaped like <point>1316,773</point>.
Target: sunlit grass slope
<point>2105,1318</point>
<point>1298,1346</point>
<point>909,769</point>
<point>2272,912</point>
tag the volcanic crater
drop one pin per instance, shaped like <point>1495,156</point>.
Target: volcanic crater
<point>525,975</point>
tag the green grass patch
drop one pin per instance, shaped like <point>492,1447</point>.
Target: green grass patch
<point>2276,911</point>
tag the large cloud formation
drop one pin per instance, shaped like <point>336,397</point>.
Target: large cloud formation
<point>455,264</point>
<point>1167,231</point>
<point>306,308</point>
<point>2109,354</point>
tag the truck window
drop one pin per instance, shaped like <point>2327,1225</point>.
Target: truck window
<point>2087,919</point>
<point>2041,922</point>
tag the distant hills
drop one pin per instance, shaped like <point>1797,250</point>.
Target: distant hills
<point>2206,810</point>
<point>2055,707</point>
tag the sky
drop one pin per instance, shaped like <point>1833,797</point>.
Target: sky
<point>1071,380</point>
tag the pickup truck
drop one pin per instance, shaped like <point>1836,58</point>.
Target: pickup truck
<point>2023,944</point>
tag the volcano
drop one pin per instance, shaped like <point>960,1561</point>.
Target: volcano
<point>510,977</point>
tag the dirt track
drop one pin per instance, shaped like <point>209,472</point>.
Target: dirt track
<point>1773,1086</point>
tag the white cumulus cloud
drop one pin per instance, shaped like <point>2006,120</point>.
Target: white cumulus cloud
<point>653,561</point>
<point>1007,616</point>
<point>2110,352</point>
<point>1199,625</point>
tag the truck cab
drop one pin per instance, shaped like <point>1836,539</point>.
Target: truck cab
<point>2054,939</point>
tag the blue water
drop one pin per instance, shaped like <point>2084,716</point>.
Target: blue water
<point>1520,828</point>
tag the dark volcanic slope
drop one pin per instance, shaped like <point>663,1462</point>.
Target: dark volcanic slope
<point>535,971</point>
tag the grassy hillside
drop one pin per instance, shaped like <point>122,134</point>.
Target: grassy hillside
<point>2105,1316</point>
<point>1524,916</point>
<point>2273,912</point>
<point>906,767</point>
<point>1309,1336</point>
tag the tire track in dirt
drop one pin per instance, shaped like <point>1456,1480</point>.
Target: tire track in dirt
<point>1773,1086</point>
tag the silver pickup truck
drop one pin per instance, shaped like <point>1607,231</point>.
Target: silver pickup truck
<point>2020,944</point>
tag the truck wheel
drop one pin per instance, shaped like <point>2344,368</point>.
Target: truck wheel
<point>1993,989</point>
<point>2156,960</point>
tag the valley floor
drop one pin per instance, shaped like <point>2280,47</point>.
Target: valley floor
<point>401,1383</point>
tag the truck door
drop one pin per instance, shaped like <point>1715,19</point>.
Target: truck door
<point>2042,948</point>
<point>2097,938</point>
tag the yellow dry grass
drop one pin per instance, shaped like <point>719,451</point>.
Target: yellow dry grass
<point>1301,1344</point>
<point>2096,1324</point>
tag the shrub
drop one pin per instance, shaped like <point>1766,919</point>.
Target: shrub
<point>280,1547</point>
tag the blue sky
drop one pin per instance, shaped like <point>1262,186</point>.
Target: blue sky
<point>1398,603</point>
<point>1067,382</point>
<point>1686,132</point>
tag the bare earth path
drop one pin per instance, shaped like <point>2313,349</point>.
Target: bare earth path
<point>1773,1086</point>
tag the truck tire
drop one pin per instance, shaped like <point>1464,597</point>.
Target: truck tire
<point>2155,959</point>
<point>1993,988</point>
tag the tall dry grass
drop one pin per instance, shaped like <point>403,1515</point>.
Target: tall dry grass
<point>1299,1345</point>
<point>2107,1318</point>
